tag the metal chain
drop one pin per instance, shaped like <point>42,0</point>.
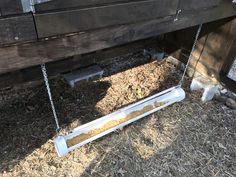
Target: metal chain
<point>45,76</point>
<point>190,56</point>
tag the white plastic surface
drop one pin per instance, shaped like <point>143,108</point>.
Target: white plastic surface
<point>61,146</point>
<point>170,96</point>
<point>209,87</point>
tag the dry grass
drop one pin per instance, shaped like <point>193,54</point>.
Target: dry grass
<point>187,139</point>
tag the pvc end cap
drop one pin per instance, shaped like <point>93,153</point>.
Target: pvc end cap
<point>61,146</point>
<point>180,93</point>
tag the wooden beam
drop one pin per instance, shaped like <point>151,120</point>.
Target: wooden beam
<point>10,7</point>
<point>69,21</point>
<point>198,4</point>
<point>27,55</point>
<point>62,4</point>
<point>215,50</point>
<point>179,43</point>
<point>17,29</point>
<point>75,62</point>
<point>231,54</point>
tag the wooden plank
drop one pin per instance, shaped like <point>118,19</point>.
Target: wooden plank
<point>62,4</point>
<point>214,53</point>
<point>212,50</point>
<point>70,21</point>
<point>231,84</point>
<point>10,7</point>
<point>23,56</point>
<point>198,4</point>
<point>17,29</point>
<point>75,62</point>
<point>179,43</point>
<point>231,54</point>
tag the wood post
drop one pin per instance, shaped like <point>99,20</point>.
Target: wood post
<point>216,50</point>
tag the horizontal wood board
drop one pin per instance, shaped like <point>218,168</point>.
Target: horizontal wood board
<point>16,29</point>
<point>69,21</point>
<point>31,54</point>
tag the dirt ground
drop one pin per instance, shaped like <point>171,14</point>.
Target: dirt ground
<point>186,139</point>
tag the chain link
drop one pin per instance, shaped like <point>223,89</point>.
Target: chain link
<point>45,77</point>
<point>190,56</point>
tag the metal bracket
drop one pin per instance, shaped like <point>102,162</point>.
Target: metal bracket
<point>28,5</point>
<point>177,15</point>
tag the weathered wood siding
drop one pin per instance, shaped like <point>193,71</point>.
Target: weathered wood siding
<point>69,21</point>
<point>110,24</point>
<point>198,4</point>
<point>16,29</point>
<point>10,7</point>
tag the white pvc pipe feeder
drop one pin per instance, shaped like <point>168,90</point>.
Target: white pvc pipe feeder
<point>109,123</point>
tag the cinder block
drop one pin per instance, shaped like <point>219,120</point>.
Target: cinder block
<point>84,74</point>
<point>210,88</point>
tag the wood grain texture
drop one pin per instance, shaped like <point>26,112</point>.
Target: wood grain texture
<point>10,7</point>
<point>64,22</point>
<point>232,52</point>
<point>62,4</point>
<point>23,56</point>
<point>198,4</point>
<point>215,49</point>
<point>72,63</point>
<point>17,29</point>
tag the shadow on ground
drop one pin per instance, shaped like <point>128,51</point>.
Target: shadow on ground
<point>185,139</point>
<point>28,123</point>
<point>26,120</point>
